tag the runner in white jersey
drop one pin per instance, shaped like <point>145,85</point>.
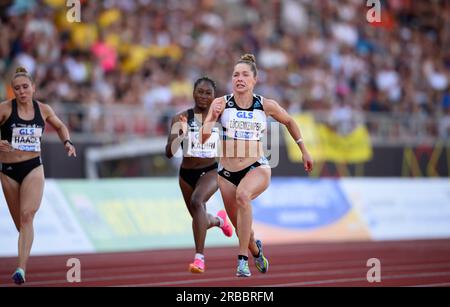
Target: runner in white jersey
<point>22,124</point>
<point>244,172</point>
<point>198,171</point>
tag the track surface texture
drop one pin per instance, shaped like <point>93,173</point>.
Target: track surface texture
<point>402,263</point>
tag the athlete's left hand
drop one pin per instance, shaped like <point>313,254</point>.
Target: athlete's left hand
<point>5,146</point>
<point>307,162</point>
<point>71,151</point>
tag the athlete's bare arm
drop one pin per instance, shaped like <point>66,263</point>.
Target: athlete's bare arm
<point>5,112</point>
<point>178,128</point>
<point>272,108</point>
<point>51,118</point>
<point>216,108</point>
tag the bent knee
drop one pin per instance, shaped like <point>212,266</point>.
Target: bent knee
<point>197,203</point>
<point>243,198</point>
<point>27,216</point>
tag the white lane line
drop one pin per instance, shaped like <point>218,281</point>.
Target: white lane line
<point>288,268</point>
<point>443,284</point>
<point>287,275</point>
<point>344,280</point>
<point>219,268</point>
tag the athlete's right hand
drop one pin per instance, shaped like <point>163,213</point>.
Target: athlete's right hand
<point>183,124</point>
<point>308,162</point>
<point>5,146</point>
<point>216,110</point>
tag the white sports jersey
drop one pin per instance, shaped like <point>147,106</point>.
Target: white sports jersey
<point>243,124</point>
<point>210,149</point>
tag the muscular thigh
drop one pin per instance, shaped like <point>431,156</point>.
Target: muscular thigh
<point>228,192</point>
<point>31,189</point>
<point>206,186</point>
<point>11,191</point>
<point>255,182</point>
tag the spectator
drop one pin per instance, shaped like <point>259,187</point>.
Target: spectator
<point>316,52</point>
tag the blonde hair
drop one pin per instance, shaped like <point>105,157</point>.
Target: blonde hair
<point>250,60</point>
<point>21,72</point>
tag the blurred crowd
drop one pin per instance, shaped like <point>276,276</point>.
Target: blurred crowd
<point>312,55</point>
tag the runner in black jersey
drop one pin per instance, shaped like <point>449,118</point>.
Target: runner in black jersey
<point>22,124</point>
<point>198,171</point>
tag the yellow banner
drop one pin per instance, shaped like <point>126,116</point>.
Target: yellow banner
<point>325,144</point>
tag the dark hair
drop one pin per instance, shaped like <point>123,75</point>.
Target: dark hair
<point>205,79</point>
<point>250,60</point>
<point>21,72</point>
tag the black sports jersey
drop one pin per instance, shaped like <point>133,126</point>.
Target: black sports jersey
<point>23,134</point>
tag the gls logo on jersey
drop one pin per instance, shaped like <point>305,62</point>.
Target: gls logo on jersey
<point>26,131</point>
<point>242,114</point>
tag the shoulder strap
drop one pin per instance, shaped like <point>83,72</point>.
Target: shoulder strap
<point>258,102</point>
<point>37,112</point>
<point>229,101</point>
<point>190,113</point>
<point>14,107</point>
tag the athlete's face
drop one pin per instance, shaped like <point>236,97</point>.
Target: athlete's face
<point>243,78</point>
<point>23,89</point>
<point>203,95</point>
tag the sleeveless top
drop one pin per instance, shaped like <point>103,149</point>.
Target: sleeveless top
<point>210,149</point>
<point>23,134</point>
<point>243,124</point>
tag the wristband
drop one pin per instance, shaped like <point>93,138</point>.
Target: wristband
<point>300,140</point>
<point>68,141</point>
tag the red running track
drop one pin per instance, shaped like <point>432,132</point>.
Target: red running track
<point>403,263</point>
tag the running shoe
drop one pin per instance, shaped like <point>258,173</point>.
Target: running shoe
<point>227,229</point>
<point>242,269</point>
<point>261,262</point>
<point>19,276</point>
<point>198,266</point>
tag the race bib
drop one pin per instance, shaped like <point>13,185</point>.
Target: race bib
<point>209,149</point>
<point>243,126</point>
<point>26,139</point>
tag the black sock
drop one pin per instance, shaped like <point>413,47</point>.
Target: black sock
<point>259,252</point>
<point>257,255</point>
<point>240,257</point>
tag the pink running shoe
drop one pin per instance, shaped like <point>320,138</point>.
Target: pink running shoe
<point>226,227</point>
<point>197,267</point>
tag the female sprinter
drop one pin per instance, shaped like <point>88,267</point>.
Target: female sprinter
<point>198,171</point>
<point>22,123</point>
<point>244,172</point>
